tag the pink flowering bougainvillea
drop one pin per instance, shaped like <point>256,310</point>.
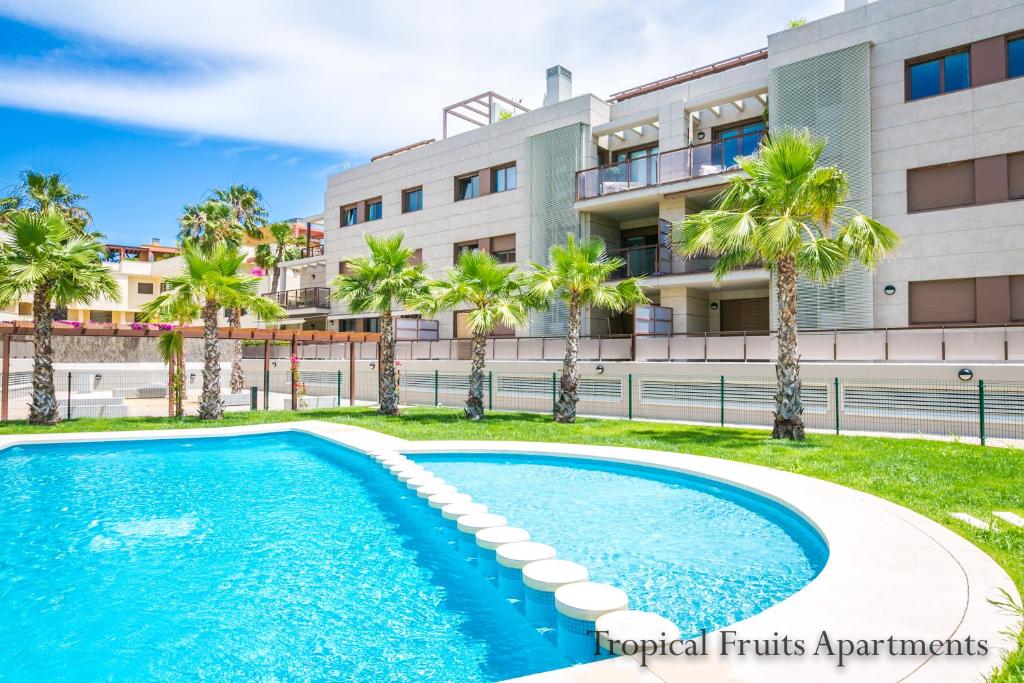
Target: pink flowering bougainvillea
<point>258,272</point>
<point>298,386</point>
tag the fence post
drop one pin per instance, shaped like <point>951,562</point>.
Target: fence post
<point>629,402</point>
<point>490,390</point>
<point>351,373</point>
<point>69,394</point>
<point>6,378</point>
<point>254,392</point>
<point>170,386</point>
<point>294,349</point>
<point>721,400</point>
<point>981,411</point>
<point>836,398</point>
<point>266,390</point>
<point>437,388</point>
<point>339,388</point>
<point>554,393</point>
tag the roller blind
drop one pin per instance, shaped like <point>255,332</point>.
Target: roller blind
<point>942,301</point>
<point>1015,169</point>
<point>749,315</point>
<point>503,243</point>
<point>940,187</point>
<point>1017,298</point>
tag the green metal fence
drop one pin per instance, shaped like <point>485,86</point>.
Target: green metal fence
<point>976,409</point>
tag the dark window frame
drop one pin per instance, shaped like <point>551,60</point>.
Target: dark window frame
<point>467,177</point>
<point>354,208</point>
<point>941,58</point>
<point>504,168</point>
<point>138,287</point>
<point>376,201</point>
<point>405,199</point>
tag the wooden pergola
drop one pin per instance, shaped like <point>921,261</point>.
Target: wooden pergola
<point>267,336</point>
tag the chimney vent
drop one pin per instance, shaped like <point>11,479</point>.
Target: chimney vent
<point>156,242</point>
<point>559,85</point>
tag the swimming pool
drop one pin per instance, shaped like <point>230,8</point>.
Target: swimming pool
<point>278,556</point>
<point>700,553</point>
<point>291,556</point>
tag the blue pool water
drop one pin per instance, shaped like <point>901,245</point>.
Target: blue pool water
<point>275,557</point>
<point>702,554</point>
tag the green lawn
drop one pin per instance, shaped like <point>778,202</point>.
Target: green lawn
<point>931,477</point>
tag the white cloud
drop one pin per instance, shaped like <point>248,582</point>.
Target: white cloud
<point>359,77</point>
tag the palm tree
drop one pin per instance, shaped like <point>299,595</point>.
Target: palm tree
<point>578,274</point>
<point>247,216</point>
<point>495,293</point>
<point>788,214</point>
<point>209,281</point>
<point>43,192</point>
<point>171,345</point>
<point>40,254</point>
<point>378,283</point>
<point>282,246</point>
<point>208,224</point>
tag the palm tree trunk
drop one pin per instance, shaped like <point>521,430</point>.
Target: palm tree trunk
<point>789,409</point>
<point>568,397</point>
<point>475,402</point>
<point>44,400</point>
<point>275,280</point>
<point>211,407</point>
<point>386,380</point>
<point>179,383</point>
<point>237,376</point>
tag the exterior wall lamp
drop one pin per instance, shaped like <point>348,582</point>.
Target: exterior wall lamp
<point>889,290</point>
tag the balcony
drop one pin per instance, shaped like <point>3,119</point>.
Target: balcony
<point>672,166</point>
<point>310,252</point>
<point>308,297</point>
<point>656,259</point>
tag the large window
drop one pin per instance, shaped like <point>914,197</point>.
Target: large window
<point>145,288</point>
<point>467,187</point>
<point>504,178</point>
<point>939,75</point>
<point>1015,57</point>
<point>349,215</point>
<point>101,316</point>
<point>412,200</point>
<point>374,209</point>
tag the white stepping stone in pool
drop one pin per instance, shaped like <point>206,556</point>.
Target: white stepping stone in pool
<point>588,601</point>
<point>408,473</point>
<point>636,626</point>
<point>496,536</point>
<point>429,490</point>
<point>417,482</point>
<point>518,555</point>
<point>971,520</point>
<point>1011,518</point>
<point>455,511</point>
<point>548,576</point>
<point>471,524</point>
<point>439,500</point>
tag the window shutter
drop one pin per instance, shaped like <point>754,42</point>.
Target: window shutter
<point>1017,298</point>
<point>942,301</point>
<point>1015,169</point>
<point>940,187</point>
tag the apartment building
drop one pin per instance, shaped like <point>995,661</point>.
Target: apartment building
<point>921,104</point>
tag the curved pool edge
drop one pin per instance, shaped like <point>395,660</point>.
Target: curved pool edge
<point>890,571</point>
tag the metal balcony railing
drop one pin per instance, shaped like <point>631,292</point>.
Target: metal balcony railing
<point>656,259</point>
<point>308,297</point>
<point>695,161</point>
<point>308,252</point>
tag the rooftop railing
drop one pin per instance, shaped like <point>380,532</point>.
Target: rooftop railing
<point>695,161</point>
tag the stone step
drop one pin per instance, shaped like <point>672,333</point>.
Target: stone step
<point>971,520</point>
<point>1011,518</point>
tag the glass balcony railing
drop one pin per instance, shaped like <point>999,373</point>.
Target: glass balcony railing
<point>695,161</point>
<point>656,259</point>
<point>308,297</point>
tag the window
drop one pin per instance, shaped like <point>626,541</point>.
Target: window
<point>359,325</point>
<point>374,210</point>
<point>101,316</point>
<point>145,288</point>
<point>504,248</point>
<point>940,187</point>
<point>1015,57</point>
<point>939,75</point>
<point>165,287</point>
<point>417,257</point>
<point>1015,171</point>
<point>504,178</point>
<point>349,215</point>
<point>1017,298</point>
<point>461,247</point>
<point>412,200</point>
<point>467,187</point>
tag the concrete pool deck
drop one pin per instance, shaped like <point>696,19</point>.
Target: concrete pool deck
<point>890,572</point>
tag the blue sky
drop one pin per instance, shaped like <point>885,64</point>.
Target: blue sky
<point>146,106</point>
